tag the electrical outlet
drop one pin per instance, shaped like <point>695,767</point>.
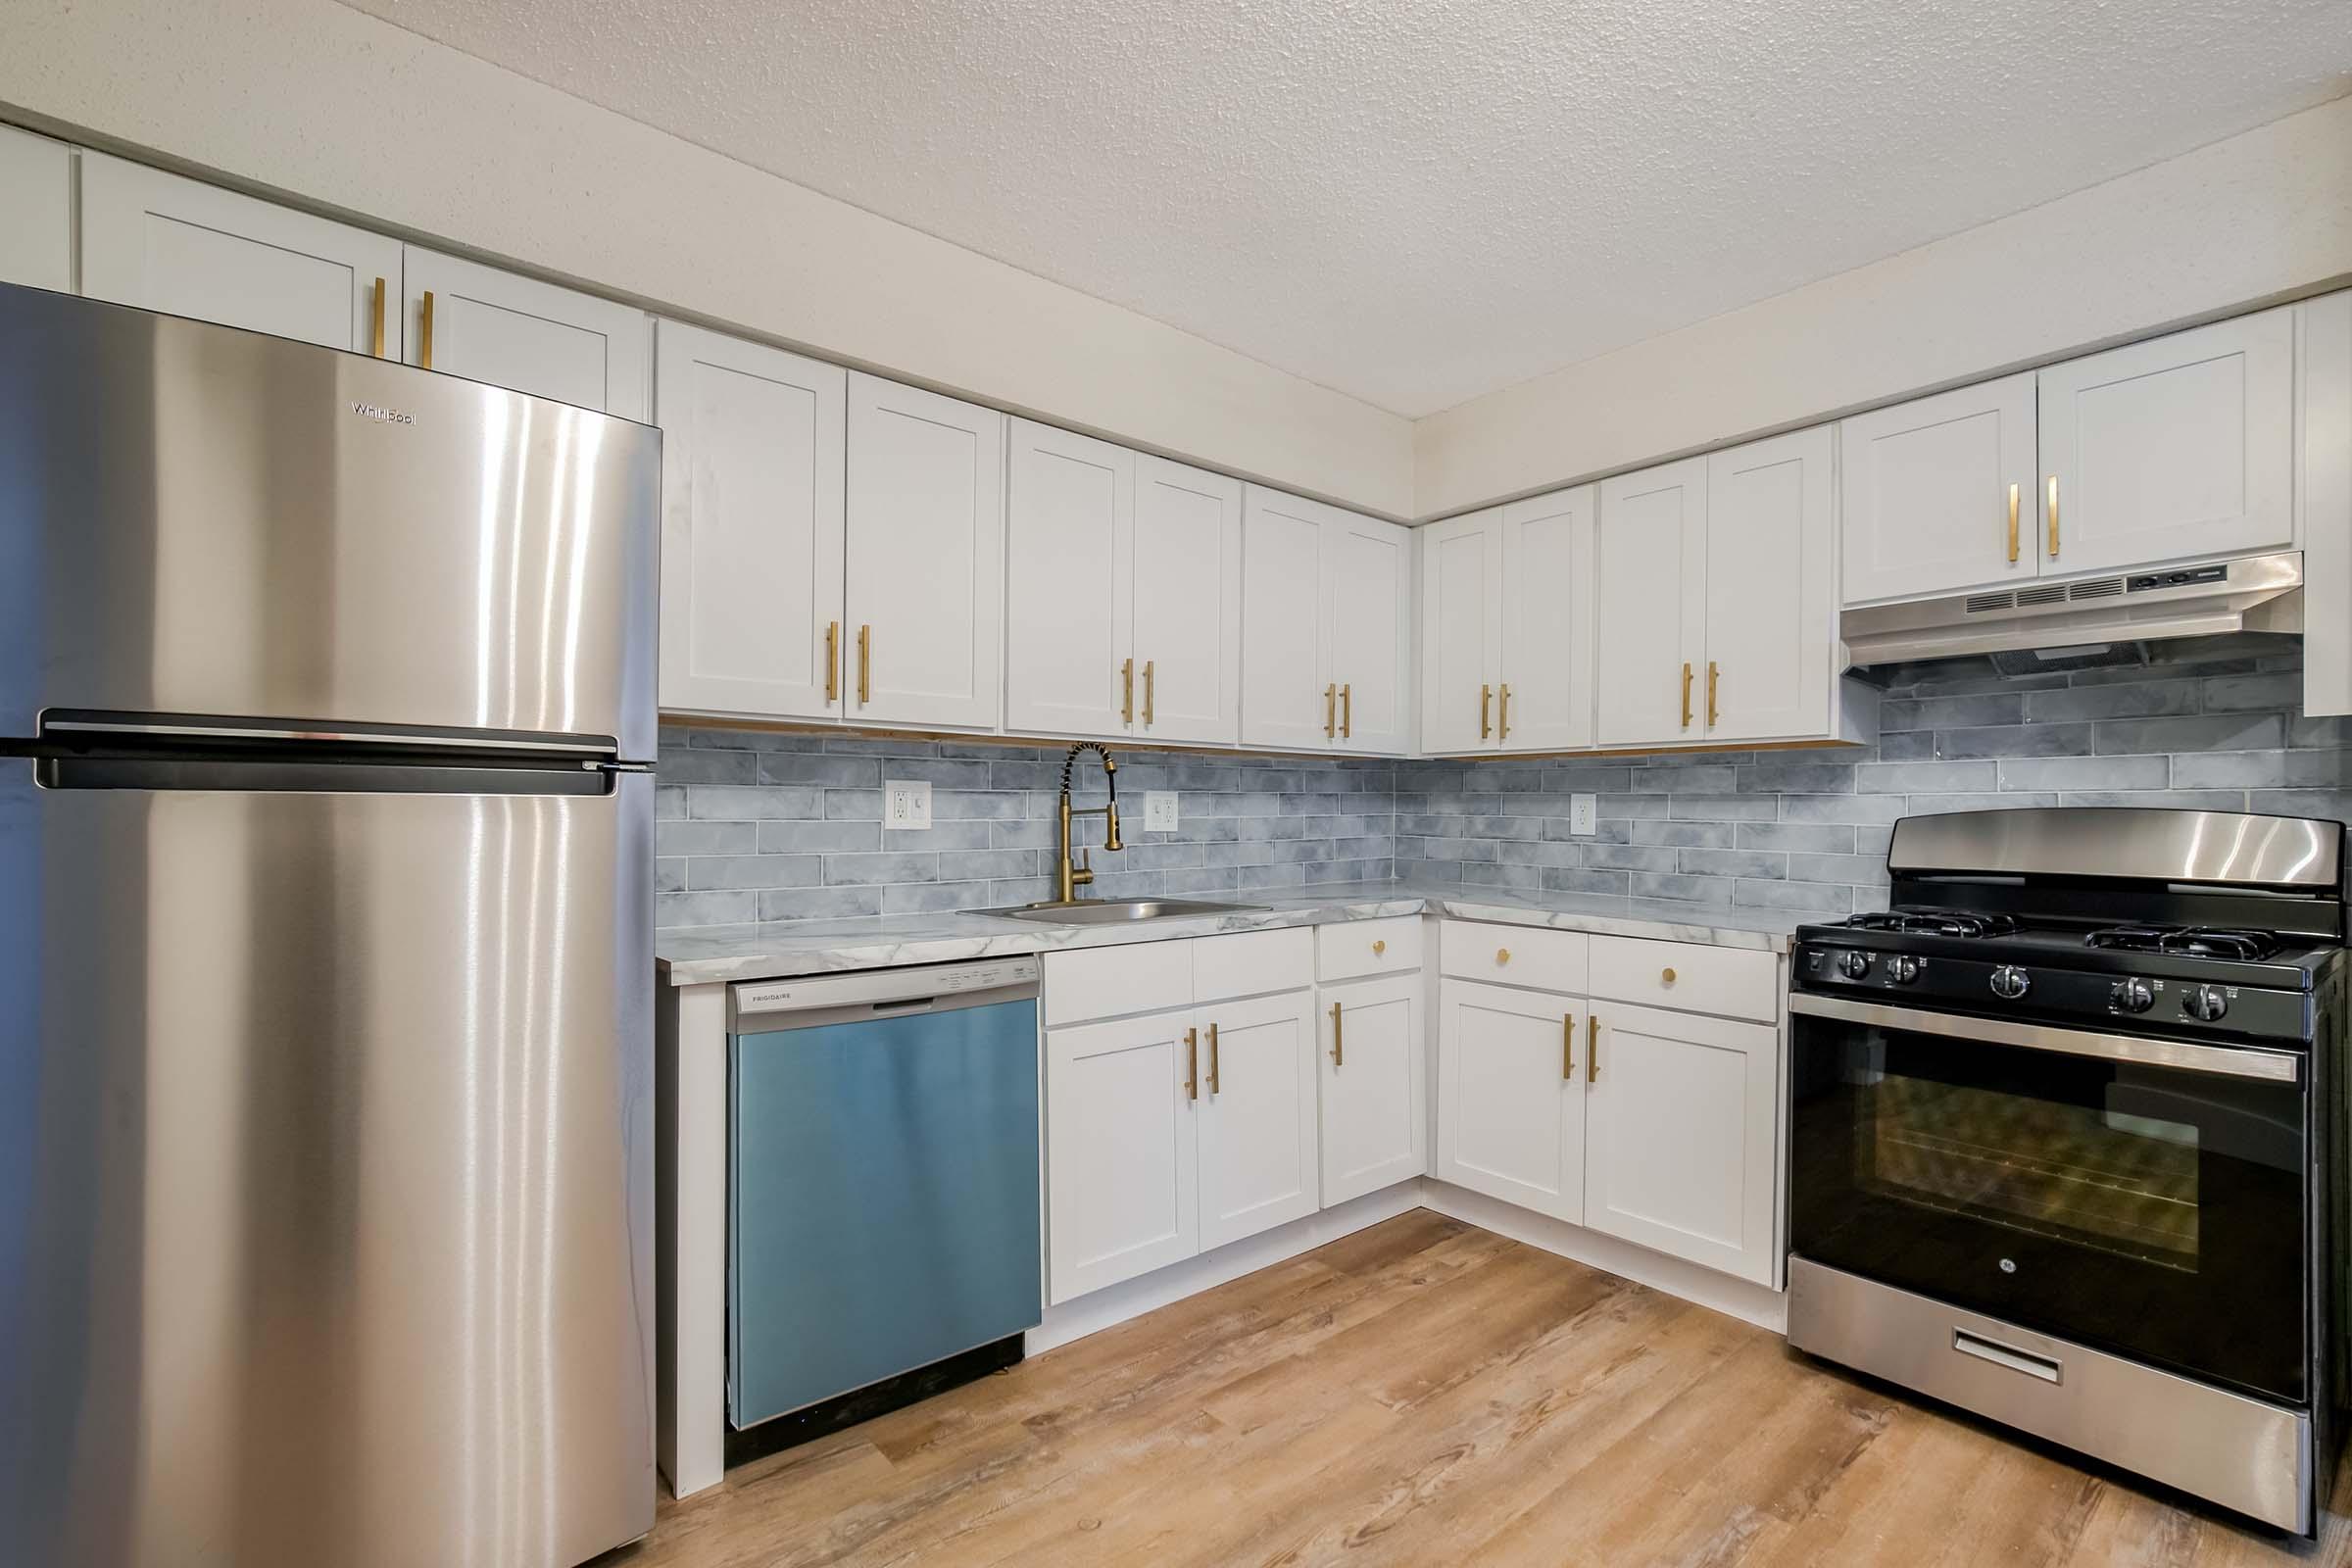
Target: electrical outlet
<point>1583,815</point>
<point>906,804</point>
<point>1159,811</point>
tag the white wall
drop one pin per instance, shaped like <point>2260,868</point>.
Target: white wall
<point>2263,214</point>
<point>327,106</point>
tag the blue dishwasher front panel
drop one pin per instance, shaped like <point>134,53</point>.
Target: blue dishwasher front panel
<point>883,1200</point>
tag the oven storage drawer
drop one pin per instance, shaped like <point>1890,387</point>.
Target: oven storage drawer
<point>2243,1453</point>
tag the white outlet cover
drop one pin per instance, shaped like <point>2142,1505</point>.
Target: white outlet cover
<point>1583,815</point>
<point>1159,811</point>
<point>905,804</point>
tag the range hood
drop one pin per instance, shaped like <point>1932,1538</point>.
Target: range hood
<point>2250,593</point>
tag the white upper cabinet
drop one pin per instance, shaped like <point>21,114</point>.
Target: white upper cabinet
<point>517,332</point>
<point>1375,1091</point>
<point>1650,625</point>
<point>1512,1096</point>
<point>1680,1113</point>
<point>1461,631</point>
<point>2180,446</point>
<point>1070,590</point>
<point>925,589</point>
<point>1257,1155</point>
<point>1124,592</point>
<point>1939,494</point>
<point>1545,699</point>
<point>36,210</point>
<point>1772,599</point>
<point>174,245</point>
<point>753,446</point>
<point>1187,603</point>
<point>1326,627</point>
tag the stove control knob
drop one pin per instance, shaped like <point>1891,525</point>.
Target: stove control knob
<point>2009,982</point>
<point>1854,964</point>
<point>2205,1003</point>
<point>1902,968</point>
<point>2130,996</point>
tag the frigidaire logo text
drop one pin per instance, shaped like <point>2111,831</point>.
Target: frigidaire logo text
<point>382,414</point>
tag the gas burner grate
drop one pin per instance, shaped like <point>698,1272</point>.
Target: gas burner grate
<point>2197,942</point>
<point>1935,922</point>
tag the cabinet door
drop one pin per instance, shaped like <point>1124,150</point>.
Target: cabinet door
<point>1368,577</point>
<point>1939,493</point>
<point>1260,1166</point>
<point>1651,584</point>
<point>174,245</point>
<point>1548,546</point>
<point>2180,446</point>
<point>753,450</point>
<point>926,556</point>
<point>1284,615</point>
<point>1461,631</point>
<point>476,321</point>
<point>1679,1129</point>
<point>1512,1096</point>
<point>1375,1086</point>
<point>36,210</point>
<point>1772,597</point>
<point>1069,529</point>
<point>1121,1152</point>
<point>1187,603</point>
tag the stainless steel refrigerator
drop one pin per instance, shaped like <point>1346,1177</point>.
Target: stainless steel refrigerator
<point>325,952</point>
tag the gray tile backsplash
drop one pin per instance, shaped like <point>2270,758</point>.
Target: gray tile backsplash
<point>758,826</point>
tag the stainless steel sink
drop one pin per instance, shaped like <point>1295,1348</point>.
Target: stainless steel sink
<point>1112,911</point>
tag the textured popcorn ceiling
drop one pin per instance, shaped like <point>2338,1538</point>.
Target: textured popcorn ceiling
<point>1419,200</point>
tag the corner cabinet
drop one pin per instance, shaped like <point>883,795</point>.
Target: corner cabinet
<point>36,210</point>
<point>1326,627</point>
<point>1506,627</point>
<point>925,598</point>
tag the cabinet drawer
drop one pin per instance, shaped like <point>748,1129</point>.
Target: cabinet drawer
<point>1514,955</point>
<point>1113,982</point>
<point>1353,948</point>
<point>1689,976</point>
<point>1250,963</point>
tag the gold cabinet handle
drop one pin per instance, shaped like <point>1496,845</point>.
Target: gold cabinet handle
<point>1379,948</point>
<point>1666,976</point>
<point>1148,683</point>
<point>2053,516</point>
<point>1192,1064</point>
<point>1346,712</point>
<point>424,356</point>
<point>1568,1047</point>
<point>1592,1048</point>
<point>1714,683</point>
<point>866,664</point>
<point>1486,700</point>
<point>1502,954</point>
<point>2013,490</point>
<point>1331,710</point>
<point>1338,1050</point>
<point>1503,714</point>
<point>378,336</point>
<point>1127,692</point>
<point>1685,695</point>
<point>832,663</point>
<point>1212,1058</point>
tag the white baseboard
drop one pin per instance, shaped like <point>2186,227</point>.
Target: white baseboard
<point>1117,1304</point>
<point>1741,1298</point>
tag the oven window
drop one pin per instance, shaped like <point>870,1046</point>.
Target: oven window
<point>2106,1177</point>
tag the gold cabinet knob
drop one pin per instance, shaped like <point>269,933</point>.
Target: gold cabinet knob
<point>1502,954</point>
<point>1666,975</point>
<point>1379,948</point>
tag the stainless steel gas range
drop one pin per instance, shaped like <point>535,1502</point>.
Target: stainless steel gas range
<point>2064,1137</point>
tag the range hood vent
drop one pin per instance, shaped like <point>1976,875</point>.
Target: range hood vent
<point>2251,593</point>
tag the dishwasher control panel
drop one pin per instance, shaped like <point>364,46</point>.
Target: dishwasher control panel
<point>881,986</point>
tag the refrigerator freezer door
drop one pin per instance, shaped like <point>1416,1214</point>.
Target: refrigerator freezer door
<point>199,521</point>
<point>325,1134</point>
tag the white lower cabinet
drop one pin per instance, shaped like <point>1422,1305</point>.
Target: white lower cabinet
<point>1679,1136</point>
<point>1375,1080</point>
<point>1512,1096</point>
<point>1255,1115</point>
<point>1121,1152</point>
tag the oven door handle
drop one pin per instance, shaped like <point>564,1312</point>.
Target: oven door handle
<point>2221,1062</point>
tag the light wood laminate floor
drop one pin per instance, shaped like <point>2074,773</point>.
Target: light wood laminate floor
<point>1427,1393</point>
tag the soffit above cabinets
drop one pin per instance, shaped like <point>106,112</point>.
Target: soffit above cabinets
<point>1415,205</point>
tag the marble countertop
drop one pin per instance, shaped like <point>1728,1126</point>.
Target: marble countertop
<point>881,942</point>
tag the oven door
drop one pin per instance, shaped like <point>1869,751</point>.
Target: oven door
<point>2142,1196</point>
